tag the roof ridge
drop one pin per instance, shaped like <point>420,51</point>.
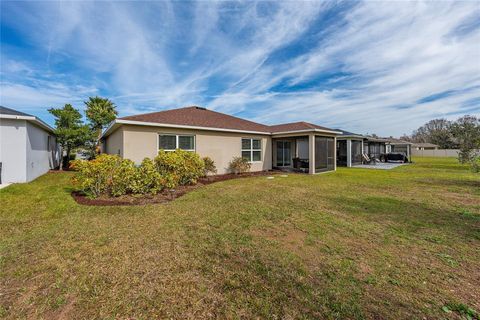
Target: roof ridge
<point>166,110</point>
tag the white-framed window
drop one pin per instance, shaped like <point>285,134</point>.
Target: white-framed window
<point>171,142</point>
<point>252,149</point>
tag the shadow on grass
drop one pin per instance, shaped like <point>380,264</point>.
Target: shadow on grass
<point>436,166</point>
<point>411,216</point>
<point>450,182</point>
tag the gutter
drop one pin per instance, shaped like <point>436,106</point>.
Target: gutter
<point>36,120</point>
<point>117,122</point>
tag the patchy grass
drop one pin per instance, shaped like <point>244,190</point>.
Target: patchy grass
<point>355,244</point>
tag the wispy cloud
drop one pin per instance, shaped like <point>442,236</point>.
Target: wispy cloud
<point>382,67</point>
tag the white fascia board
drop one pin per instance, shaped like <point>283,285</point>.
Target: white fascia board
<point>169,125</point>
<point>37,121</point>
<point>117,122</point>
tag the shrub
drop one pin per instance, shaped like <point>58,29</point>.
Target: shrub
<point>106,174</point>
<point>147,180</point>
<point>239,165</point>
<point>114,176</point>
<point>122,177</point>
<point>179,167</point>
<point>209,166</point>
<point>475,164</point>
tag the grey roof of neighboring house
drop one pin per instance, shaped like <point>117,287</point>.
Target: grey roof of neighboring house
<point>11,112</point>
<point>397,141</point>
<point>14,114</point>
<point>425,145</point>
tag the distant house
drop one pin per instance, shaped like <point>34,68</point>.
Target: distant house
<point>399,146</point>
<point>299,146</point>
<point>28,147</point>
<point>351,148</point>
<point>425,146</point>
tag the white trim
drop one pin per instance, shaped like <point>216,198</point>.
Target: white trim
<point>169,125</point>
<point>28,118</point>
<point>177,145</point>
<point>251,150</point>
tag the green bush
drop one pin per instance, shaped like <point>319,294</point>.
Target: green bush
<point>209,166</point>
<point>106,174</point>
<point>147,180</point>
<point>179,167</point>
<point>122,178</point>
<point>239,165</point>
<point>475,164</point>
<point>114,176</point>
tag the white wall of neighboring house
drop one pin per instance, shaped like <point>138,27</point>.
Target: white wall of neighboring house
<point>38,160</point>
<point>13,151</point>
<point>24,150</point>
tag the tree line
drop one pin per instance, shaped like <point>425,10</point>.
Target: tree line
<point>73,133</point>
<point>462,134</point>
<point>444,133</point>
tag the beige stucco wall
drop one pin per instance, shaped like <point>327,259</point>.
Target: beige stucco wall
<point>114,142</point>
<point>140,142</point>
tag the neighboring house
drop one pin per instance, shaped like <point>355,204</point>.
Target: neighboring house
<point>28,147</point>
<point>425,146</point>
<point>223,137</point>
<point>352,146</point>
<point>399,146</point>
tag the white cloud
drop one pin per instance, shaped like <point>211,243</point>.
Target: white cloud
<point>225,55</point>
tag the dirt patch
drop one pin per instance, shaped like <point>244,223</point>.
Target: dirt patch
<point>165,195</point>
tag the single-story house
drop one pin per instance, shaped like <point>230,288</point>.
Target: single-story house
<point>425,146</point>
<point>399,146</point>
<point>299,145</point>
<point>352,146</point>
<point>28,147</point>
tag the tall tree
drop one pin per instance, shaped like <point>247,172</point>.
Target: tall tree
<point>436,131</point>
<point>467,132</point>
<point>71,133</point>
<point>100,112</point>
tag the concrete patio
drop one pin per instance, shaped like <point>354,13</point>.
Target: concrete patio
<point>380,166</point>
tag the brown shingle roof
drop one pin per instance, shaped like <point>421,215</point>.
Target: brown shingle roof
<point>296,126</point>
<point>199,117</point>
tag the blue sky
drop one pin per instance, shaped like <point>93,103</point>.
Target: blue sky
<point>367,67</point>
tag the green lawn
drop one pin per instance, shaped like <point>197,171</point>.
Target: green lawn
<point>354,244</point>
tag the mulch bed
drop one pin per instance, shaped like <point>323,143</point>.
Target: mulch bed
<point>162,197</point>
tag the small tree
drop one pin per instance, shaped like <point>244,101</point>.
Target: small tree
<point>466,131</point>
<point>210,167</point>
<point>100,112</point>
<point>70,131</point>
<point>239,165</point>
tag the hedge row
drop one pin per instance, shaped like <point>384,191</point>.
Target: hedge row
<point>113,176</point>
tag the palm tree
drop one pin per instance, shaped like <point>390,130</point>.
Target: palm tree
<point>100,112</point>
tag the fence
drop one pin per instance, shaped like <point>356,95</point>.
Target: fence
<point>435,153</point>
